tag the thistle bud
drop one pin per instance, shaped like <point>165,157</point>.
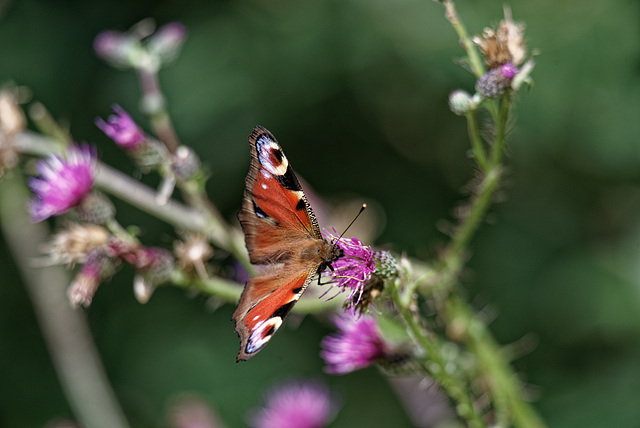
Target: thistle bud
<point>496,81</point>
<point>167,41</point>
<point>96,208</point>
<point>460,102</point>
<point>185,162</point>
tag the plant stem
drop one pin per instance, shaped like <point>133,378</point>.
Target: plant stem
<point>229,292</point>
<point>501,133</point>
<point>475,62</point>
<point>154,105</point>
<point>504,386</point>
<point>433,362</point>
<point>64,329</point>
<point>476,141</point>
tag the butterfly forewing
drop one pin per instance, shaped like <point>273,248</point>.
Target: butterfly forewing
<point>282,235</point>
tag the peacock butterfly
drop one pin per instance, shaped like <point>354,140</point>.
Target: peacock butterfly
<point>283,238</point>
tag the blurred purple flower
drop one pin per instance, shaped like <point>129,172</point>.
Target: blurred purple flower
<point>63,183</point>
<point>496,81</point>
<point>356,345</point>
<point>295,404</point>
<point>353,270</point>
<point>167,41</point>
<point>113,47</point>
<point>122,129</point>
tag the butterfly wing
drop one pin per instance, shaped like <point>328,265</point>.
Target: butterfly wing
<point>281,232</point>
<point>265,303</point>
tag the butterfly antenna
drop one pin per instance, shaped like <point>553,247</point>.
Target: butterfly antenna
<point>362,208</point>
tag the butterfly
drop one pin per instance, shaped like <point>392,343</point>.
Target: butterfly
<point>283,238</point>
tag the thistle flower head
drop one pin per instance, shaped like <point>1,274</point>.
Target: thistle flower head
<point>295,404</point>
<point>496,81</point>
<point>356,345</point>
<point>63,182</point>
<point>122,129</point>
<point>351,271</point>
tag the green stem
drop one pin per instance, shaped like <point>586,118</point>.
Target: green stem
<point>433,362</point>
<point>229,292</point>
<point>476,141</point>
<point>454,255</point>
<point>475,62</point>
<point>504,386</point>
<point>501,132</point>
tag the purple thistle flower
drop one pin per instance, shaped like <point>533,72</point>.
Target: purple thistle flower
<point>295,404</point>
<point>356,345</point>
<point>122,129</point>
<point>496,81</point>
<point>354,269</point>
<point>63,183</point>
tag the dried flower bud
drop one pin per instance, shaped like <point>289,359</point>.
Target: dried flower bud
<point>192,255</point>
<point>12,122</point>
<point>12,119</point>
<point>75,243</point>
<point>86,283</point>
<point>504,44</point>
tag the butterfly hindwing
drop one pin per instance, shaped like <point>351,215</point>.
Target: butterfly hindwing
<point>265,303</point>
<point>282,237</point>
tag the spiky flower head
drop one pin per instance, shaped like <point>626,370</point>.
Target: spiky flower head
<point>63,183</point>
<point>122,129</point>
<point>295,404</point>
<point>351,271</point>
<point>496,81</point>
<point>356,345</point>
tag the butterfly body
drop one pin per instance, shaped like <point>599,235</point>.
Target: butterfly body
<point>283,239</point>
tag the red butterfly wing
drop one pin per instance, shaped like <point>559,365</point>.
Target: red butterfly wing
<point>282,235</point>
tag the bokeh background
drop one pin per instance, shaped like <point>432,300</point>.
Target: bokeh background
<point>356,91</point>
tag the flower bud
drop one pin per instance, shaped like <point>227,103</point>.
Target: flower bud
<point>96,208</point>
<point>386,265</point>
<point>496,81</point>
<point>460,102</point>
<point>185,162</point>
<point>167,41</point>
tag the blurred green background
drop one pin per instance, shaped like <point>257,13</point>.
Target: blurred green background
<point>356,91</point>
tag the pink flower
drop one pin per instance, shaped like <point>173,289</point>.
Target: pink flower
<point>122,129</point>
<point>356,345</point>
<point>63,183</point>
<point>295,404</point>
<point>352,271</point>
